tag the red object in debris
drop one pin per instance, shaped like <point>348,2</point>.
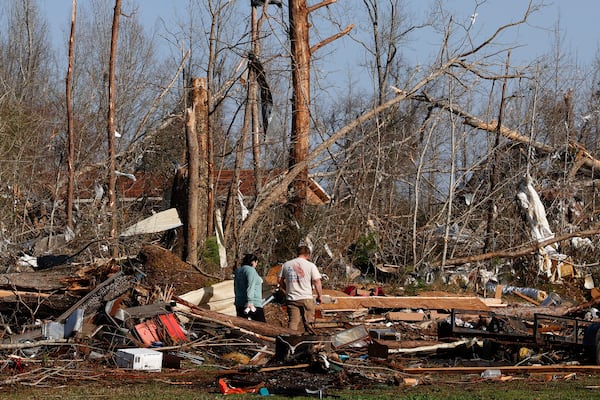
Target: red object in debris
<point>226,389</point>
<point>17,364</point>
<point>354,291</point>
<point>169,321</point>
<point>378,291</point>
<point>350,290</point>
<point>148,332</point>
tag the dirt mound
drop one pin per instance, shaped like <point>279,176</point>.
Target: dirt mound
<point>163,268</point>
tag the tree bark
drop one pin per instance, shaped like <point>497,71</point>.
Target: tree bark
<point>70,128</point>
<point>38,281</point>
<point>299,137</point>
<point>200,104</point>
<point>191,248</point>
<point>112,177</point>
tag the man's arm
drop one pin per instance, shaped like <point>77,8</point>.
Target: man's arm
<point>318,289</point>
<point>282,284</point>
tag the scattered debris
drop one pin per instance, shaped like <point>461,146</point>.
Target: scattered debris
<point>156,313</point>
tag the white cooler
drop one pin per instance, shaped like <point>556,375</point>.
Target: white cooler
<point>142,359</point>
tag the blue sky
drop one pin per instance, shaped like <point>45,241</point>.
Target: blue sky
<point>577,21</point>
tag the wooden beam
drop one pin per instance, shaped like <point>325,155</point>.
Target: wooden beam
<point>19,293</point>
<point>352,303</point>
<point>508,369</point>
<point>498,294</point>
<point>525,297</point>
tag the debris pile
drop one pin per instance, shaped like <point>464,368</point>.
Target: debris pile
<point>157,314</point>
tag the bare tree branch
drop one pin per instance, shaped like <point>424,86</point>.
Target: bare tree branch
<point>330,39</point>
<point>319,5</point>
<point>524,251</point>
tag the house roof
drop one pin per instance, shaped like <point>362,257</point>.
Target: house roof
<point>148,185</point>
<point>144,185</point>
<point>316,195</point>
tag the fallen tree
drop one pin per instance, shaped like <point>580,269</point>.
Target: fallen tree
<point>524,251</point>
<point>260,329</point>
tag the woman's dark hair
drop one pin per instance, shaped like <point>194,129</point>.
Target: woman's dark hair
<point>248,259</point>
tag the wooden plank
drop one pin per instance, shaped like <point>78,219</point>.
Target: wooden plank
<point>14,293</point>
<point>492,302</point>
<point>409,302</point>
<point>525,297</point>
<point>405,316</point>
<point>435,316</point>
<point>504,370</point>
<point>498,294</point>
<point>406,344</point>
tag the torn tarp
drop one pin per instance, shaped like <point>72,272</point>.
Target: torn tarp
<point>159,222</point>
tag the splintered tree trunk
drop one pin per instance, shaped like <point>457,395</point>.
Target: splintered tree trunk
<point>112,177</point>
<point>200,104</point>
<point>191,252</point>
<point>70,133</point>
<point>300,49</point>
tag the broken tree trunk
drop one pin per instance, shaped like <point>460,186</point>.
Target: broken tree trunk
<point>64,278</point>
<point>260,328</point>
<point>70,120</point>
<point>193,211</point>
<point>205,195</point>
<point>300,52</point>
<point>112,179</point>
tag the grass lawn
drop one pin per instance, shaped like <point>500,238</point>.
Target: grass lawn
<point>433,388</point>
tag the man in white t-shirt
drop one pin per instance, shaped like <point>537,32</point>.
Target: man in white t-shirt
<point>296,279</point>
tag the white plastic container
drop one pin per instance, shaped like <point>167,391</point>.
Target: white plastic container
<point>491,373</point>
<point>142,359</point>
